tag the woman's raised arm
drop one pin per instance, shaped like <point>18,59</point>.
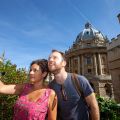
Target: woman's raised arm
<point>14,89</point>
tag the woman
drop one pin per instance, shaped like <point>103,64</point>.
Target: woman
<point>35,101</point>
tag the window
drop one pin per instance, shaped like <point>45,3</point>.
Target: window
<point>76,71</point>
<point>103,61</point>
<point>75,62</point>
<point>87,32</point>
<point>88,60</point>
<point>88,44</point>
<point>89,71</point>
<point>104,70</point>
<point>108,89</point>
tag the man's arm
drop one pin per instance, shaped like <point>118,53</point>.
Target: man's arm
<point>94,109</point>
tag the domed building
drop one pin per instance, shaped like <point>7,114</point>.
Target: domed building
<point>88,56</point>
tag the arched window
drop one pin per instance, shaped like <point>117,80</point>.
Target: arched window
<point>108,89</point>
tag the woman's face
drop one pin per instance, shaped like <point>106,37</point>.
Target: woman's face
<point>35,74</point>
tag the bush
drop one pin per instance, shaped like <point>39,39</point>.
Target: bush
<point>9,74</point>
<point>109,109</point>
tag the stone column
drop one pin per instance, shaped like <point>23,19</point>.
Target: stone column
<point>82,64</point>
<point>69,64</point>
<point>78,64</point>
<point>95,64</point>
<point>99,61</point>
<point>72,64</point>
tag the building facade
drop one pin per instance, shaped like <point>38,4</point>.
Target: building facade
<point>114,65</point>
<point>88,56</point>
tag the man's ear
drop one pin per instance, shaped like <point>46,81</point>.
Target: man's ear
<point>64,63</point>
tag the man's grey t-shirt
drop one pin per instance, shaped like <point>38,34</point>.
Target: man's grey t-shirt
<point>74,108</point>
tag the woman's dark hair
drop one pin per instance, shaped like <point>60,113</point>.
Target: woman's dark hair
<point>43,64</point>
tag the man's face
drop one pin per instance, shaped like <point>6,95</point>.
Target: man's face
<point>55,62</point>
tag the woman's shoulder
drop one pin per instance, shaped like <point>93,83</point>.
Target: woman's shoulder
<point>51,91</point>
<point>52,98</point>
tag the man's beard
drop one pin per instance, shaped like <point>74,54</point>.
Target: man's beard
<point>56,71</point>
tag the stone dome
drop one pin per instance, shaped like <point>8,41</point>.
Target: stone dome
<point>89,33</point>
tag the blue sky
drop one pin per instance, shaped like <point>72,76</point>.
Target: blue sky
<point>30,29</point>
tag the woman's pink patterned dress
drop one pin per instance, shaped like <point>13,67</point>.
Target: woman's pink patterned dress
<point>28,110</point>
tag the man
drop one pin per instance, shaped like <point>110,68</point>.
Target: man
<point>71,106</point>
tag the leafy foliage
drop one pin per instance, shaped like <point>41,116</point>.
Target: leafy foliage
<point>109,109</point>
<point>9,74</point>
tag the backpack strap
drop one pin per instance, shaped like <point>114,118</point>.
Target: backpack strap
<point>76,84</point>
<point>79,90</point>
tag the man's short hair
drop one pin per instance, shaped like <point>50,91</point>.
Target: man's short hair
<point>62,54</point>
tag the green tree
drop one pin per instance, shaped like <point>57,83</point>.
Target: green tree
<point>9,74</point>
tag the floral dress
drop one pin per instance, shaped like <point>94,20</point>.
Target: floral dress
<point>29,110</point>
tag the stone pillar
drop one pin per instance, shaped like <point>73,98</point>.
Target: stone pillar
<point>69,65</point>
<point>78,64</point>
<point>108,72</point>
<point>99,62</point>
<point>82,64</point>
<point>95,64</point>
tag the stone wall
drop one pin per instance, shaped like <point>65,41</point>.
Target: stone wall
<point>114,65</point>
